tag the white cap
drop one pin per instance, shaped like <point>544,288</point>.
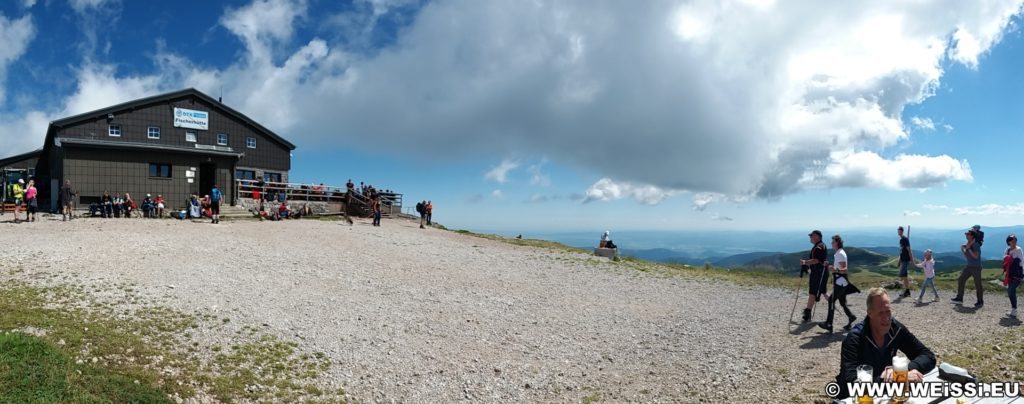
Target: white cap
<point>21,181</point>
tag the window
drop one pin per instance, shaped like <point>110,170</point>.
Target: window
<point>159,170</point>
<point>272,177</point>
<point>190,136</point>
<point>245,174</point>
<point>153,132</point>
<point>250,142</point>
<point>114,130</point>
<point>222,139</point>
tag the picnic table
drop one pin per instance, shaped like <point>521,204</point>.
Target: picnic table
<point>933,376</point>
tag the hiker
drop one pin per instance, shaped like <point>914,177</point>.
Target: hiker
<point>159,206</point>
<point>817,285</point>
<point>118,204</point>
<point>30,199</point>
<point>194,211</point>
<point>66,193</point>
<point>906,257</point>
<point>129,205</point>
<point>928,265</point>
<point>107,204</point>
<point>875,341</point>
<point>1014,271</point>
<point>841,286</point>
<point>375,204</point>
<point>606,241</point>
<point>18,192</point>
<point>215,199</point>
<point>972,251</point>
<point>421,208</point>
<point>430,211</point>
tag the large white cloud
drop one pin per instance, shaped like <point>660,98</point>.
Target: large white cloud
<point>607,190</point>
<point>15,36</point>
<point>739,98</point>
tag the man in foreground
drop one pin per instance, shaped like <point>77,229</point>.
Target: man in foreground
<point>875,341</point>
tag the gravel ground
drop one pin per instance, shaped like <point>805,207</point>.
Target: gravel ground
<point>410,315</point>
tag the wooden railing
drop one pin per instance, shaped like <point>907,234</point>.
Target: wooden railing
<point>391,202</point>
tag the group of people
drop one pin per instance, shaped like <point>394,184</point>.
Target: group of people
<point>208,206</point>
<point>24,194</point>
<point>877,339</point>
<point>426,211</point>
<point>115,206</point>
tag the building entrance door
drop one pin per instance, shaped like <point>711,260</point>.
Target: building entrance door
<point>207,177</point>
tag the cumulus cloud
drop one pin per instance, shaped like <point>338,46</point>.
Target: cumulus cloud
<point>499,173</point>
<point>911,213</point>
<point>799,94</point>
<point>15,35</point>
<point>990,209</point>
<point>607,190</point>
<point>868,169</point>
<point>538,177</point>
<point>28,3</point>
<point>922,123</point>
<point>498,194</point>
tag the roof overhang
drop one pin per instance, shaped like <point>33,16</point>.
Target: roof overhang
<point>204,150</point>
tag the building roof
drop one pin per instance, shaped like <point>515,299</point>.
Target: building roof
<point>130,105</point>
<point>19,157</point>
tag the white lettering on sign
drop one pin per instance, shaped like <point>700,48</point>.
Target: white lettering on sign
<point>192,119</point>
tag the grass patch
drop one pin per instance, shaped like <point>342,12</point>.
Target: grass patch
<point>592,398</point>
<point>551,245</point>
<point>32,370</point>
<point>997,359</point>
<point>86,350</point>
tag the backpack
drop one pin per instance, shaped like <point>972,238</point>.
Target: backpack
<point>215,195</point>
<point>979,235</point>
<point>419,207</point>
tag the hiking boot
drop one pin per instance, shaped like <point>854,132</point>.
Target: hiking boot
<point>918,300</point>
<point>906,293</point>
<point>957,299</point>
<point>807,315</point>
<point>850,324</point>
<point>1013,313</point>
<point>979,305</point>
<point>936,298</point>
<point>825,326</point>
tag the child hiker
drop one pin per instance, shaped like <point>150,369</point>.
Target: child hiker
<point>929,275</point>
<point>929,266</point>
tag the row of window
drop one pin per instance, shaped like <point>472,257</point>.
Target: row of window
<point>251,175</point>
<point>161,170</point>
<point>153,132</point>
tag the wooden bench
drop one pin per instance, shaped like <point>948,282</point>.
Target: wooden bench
<point>607,252</point>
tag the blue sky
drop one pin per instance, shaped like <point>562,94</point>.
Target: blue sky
<point>577,115</point>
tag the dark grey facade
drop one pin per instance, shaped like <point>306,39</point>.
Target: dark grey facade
<point>115,149</point>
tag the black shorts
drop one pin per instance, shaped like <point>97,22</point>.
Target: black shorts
<point>215,208</point>
<point>818,283</point>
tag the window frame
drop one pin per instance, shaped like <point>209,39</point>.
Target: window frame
<point>149,132</point>
<point>269,177</point>
<point>159,170</point>
<point>252,177</point>
<point>225,135</point>
<point>195,136</point>
<point>250,142</point>
<point>110,130</point>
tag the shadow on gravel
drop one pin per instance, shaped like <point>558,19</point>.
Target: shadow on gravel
<point>823,340</point>
<point>801,327</point>
<point>1009,322</point>
<point>965,309</point>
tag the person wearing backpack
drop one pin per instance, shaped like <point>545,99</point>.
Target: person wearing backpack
<point>215,200</point>
<point>421,208</point>
<point>972,252</point>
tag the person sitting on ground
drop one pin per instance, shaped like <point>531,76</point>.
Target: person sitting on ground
<point>148,206</point>
<point>159,205</point>
<point>194,209</point>
<point>875,341</point>
<point>282,211</point>
<point>95,209</point>
<point>129,205</point>
<point>118,204</point>
<point>206,203</point>
<point>108,205</point>
<point>606,241</point>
